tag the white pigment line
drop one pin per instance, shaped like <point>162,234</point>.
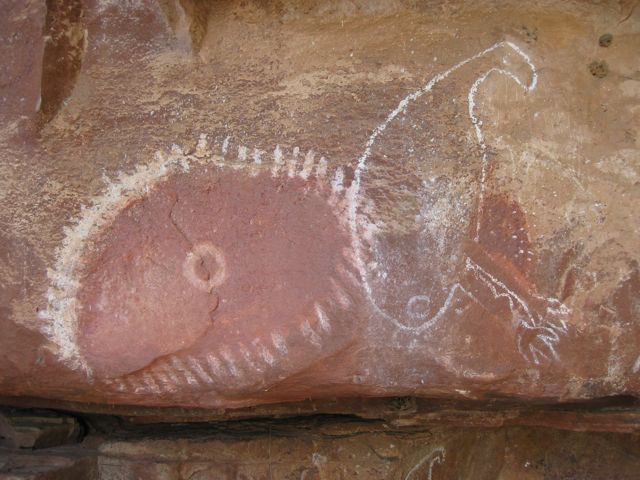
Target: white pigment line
<point>278,161</point>
<point>309,333</point>
<point>307,166</point>
<point>225,145</point>
<point>321,168</point>
<point>215,366</point>
<point>353,194</point>
<point>227,356</point>
<point>199,371</point>
<point>181,368</point>
<point>242,153</point>
<point>293,163</point>
<point>322,317</point>
<point>279,342</point>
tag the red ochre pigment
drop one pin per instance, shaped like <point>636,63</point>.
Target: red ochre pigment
<point>217,281</point>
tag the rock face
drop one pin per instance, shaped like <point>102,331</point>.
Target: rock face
<point>335,450</point>
<point>232,204</point>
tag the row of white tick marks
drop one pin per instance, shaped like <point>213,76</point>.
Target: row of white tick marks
<point>60,320</point>
<point>280,163</point>
<point>248,363</point>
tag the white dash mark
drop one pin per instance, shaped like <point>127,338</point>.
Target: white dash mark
<point>323,320</point>
<point>293,163</point>
<point>321,168</point>
<point>246,354</point>
<point>279,343</point>
<point>225,146</point>
<point>338,178</point>
<point>242,153</point>
<point>178,365</point>
<point>307,166</point>
<point>230,361</point>
<point>310,333</point>
<point>636,366</point>
<point>257,161</point>
<point>257,156</point>
<point>169,372</point>
<point>278,161</point>
<point>215,366</point>
<point>197,368</point>
<point>264,353</point>
<point>341,295</point>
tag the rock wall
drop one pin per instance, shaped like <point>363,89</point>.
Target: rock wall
<point>231,204</point>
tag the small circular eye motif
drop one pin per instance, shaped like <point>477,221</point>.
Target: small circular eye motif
<point>205,267</point>
<point>418,307</point>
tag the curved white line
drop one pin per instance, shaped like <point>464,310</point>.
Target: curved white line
<point>354,196</point>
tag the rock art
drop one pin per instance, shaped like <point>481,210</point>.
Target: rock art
<point>219,250</point>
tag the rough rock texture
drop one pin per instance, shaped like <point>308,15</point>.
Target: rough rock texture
<point>234,203</point>
<point>333,449</point>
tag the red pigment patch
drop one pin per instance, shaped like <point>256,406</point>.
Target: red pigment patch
<point>217,263</point>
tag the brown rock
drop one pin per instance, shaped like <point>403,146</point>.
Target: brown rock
<point>20,429</point>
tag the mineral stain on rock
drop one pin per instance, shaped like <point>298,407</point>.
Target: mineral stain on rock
<point>599,68</point>
<point>605,40</point>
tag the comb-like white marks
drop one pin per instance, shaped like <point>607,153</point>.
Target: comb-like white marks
<point>321,168</point>
<point>246,355</point>
<point>243,153</point>
<point>198,370</point>
<point>307,166</point>
<point>340,294</point>
<point>278,161</point>
<point>230,362</point>
<point>279,343</point>
<point>150,383</point>
<point>293,162</point>
<point>323,319</point>
<point>167,370</point>
<point>337,181</point>
<point>215,366</point>
<point>164,382</point>
<point>310,333</point>
<point>184,371</point>
<point>264,353</point>
<point>60,318</point>
<point>225,145</point>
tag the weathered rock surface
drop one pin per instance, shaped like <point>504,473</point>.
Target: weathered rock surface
<point>233,204</point>
<point>37,429</point>
<point>333,448</point>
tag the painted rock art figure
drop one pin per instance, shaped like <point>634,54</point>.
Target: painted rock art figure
<point>424,468</point>
<point>228,271</point>
<point>418,235</point>
<point>210,280</point>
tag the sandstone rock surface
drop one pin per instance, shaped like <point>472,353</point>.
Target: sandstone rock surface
<point>235,204</point>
